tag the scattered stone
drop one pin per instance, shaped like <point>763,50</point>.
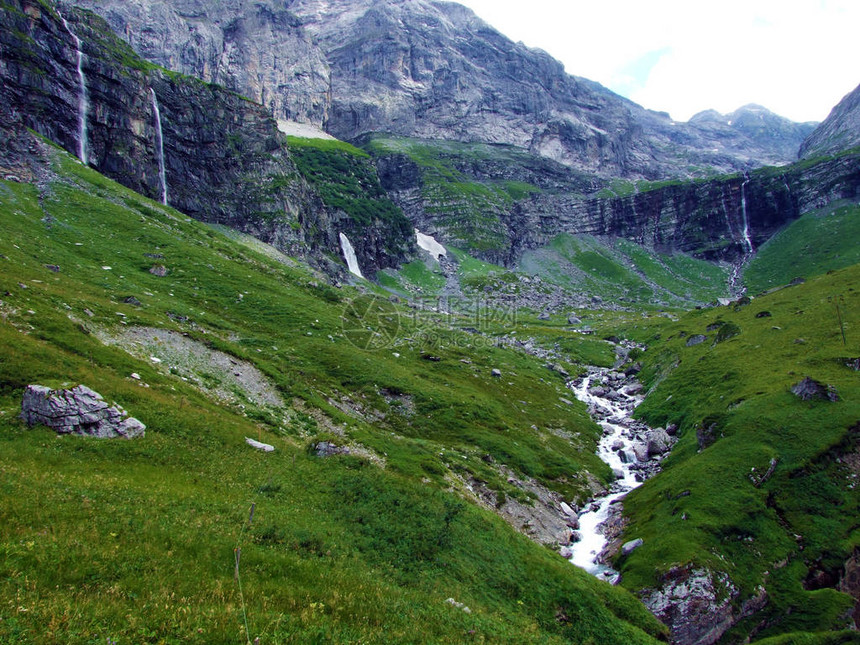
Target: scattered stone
<point>633,389</point>
<point>573,320</point>
<point>458,605</point>
<point>328,449</point>
<point>159,270</point>
<point>641,451</point>
<point>497,373</point>
<point>763,314</point>
<point>543,316</point>
<point>134,302</point>
<point>52,267</point>
<point>698,339</point>
<point>89,313</point>
<point>809,389</point>
<point>558,369</point>
<point>597,391</point>
<point>154,256</point>
<point>78,410</point>
<point>797,281</point>
<point>259,445</point>
<point>566,552</point>
<point>672,429</point>
<point>135,376</point>
<point>853,363</point>
<point>431,358</point>
<point>658,442</point>
<point>629,547</point>
<point>707,435</point>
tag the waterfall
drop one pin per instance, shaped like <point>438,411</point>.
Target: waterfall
<point>746,232</point>
<point>349,255</point>
<point>83,97</point>
<point>159,143</point>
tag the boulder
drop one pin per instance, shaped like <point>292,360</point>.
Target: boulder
<point>698,339</point>
<point>629,547</point>
<point>78,410</point>
<point>809,389</point>
<point>543,316</point>
<point>633,389</point>
<point>328,449</point>
<point>658,442</point>
<point>497,373</point>
<point>641,451</point>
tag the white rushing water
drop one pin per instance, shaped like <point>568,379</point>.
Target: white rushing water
<point>83,97</point>
<point>613,417</point>
<point>159,145</point>
<point>746,232</point>
<point>429,244</point>
<point>349,255</point>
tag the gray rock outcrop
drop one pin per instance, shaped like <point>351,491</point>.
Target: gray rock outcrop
<point>78,410</point>
<point>809,389</point>
<point>422,69</point>
<point>840,131</point>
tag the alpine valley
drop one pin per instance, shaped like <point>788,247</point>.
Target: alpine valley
<point>353,321</point>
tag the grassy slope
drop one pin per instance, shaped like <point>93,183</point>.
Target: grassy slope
<point>626,271</point>
<point>133,541</point>
<point>817,242</point>
<point>740,387</point>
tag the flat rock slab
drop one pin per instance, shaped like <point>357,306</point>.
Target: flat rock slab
<point>78,410</point>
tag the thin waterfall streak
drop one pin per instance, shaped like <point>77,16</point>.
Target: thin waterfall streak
<point>83,96</point>
<point>159,143</point>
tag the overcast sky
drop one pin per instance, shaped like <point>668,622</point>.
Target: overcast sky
<point>797,58</point>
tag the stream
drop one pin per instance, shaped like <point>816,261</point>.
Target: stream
<point>631,449</point>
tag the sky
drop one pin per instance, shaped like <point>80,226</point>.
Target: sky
<point>797,58</point>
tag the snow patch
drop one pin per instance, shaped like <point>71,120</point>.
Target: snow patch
<point>429,244</point>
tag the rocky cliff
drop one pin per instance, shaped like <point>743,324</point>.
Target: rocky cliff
<point>422,69</point>
<point>222,155</point>
<point>464,197</point>
<point>839,131</point>
<point>256,48</point>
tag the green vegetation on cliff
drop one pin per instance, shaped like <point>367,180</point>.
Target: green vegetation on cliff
<point>345,179</point>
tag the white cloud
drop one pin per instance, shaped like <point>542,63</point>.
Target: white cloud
<point>795,58</point>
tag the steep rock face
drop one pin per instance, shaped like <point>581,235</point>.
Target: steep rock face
<point>424,69</point>
<point>225,160</point>
<point>257,49</point>
<point>704,218</point>
<point>839,131</point>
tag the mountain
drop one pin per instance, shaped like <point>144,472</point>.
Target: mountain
<point>840,131</point>
<point>423,69</point>
<point>753,127</point>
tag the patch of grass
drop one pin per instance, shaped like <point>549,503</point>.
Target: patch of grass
<point>355,547</point>
<point>621,270</point>
<point>817,242</point>
<point>737,417</point>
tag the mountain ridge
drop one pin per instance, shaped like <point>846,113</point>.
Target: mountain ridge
<point>422,69</point>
